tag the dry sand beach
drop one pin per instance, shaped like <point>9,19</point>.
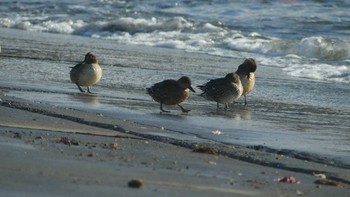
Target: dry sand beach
<point>58,142</point>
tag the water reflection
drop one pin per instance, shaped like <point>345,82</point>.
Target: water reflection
<point>86,98</point>
<point>171,116</point>
<point>236,112</point>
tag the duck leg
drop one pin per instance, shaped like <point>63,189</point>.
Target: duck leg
<point>226,106</point>
<point>161,108</point>
<point>88,89</point>
<point>81,90</point>
<point>183,109</point>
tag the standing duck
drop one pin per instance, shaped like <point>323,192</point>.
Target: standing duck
<point>171,92</point>
<point>86,73</point>
<point>246,72</point>
<point>223,90</point>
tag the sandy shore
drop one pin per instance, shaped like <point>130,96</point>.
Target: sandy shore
<point>52,151</point>
<point>58,142</point>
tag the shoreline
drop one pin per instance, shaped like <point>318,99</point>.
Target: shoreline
<point>160,133</point>
<point>258,182</point>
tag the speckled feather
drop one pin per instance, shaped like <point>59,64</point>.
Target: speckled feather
<point>168,92</point>
<point>223,90</point>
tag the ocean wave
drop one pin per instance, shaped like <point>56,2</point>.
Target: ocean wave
<point>65,26</point>
<point>310,47</point>
<point>141,25</point>
<point>323,48</point>
<point>324,72</point>
<point>206,35</point>
<point>294,56</point>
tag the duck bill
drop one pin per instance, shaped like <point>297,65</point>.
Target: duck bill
<point>191,89</point>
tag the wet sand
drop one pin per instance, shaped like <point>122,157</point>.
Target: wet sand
<point>54,151</point>
<point>57,141</point>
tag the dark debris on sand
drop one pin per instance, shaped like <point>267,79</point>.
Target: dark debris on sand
<point>135,183</point>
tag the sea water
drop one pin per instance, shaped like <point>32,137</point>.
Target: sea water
<point>302,49</point>
<point>309,39</point>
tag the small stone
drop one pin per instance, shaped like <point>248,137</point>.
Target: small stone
<point>320,176</point>
<point>329,182</point>
<point>17,135</point>
<point>299,193</point>
<point>75,180</point>
<point>136,183</point>
<point>39,138</point>
<point>205,149</point>
<point>113,145</point>
<point>67,141</point>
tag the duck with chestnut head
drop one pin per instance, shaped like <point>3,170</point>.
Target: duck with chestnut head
<point>171,92</point>
<point>86,73</point>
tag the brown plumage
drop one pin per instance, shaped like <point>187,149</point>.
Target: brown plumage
<point>246,72</point>
<point>86,73</point>
<point>223,90</point>
<point>171,92</point>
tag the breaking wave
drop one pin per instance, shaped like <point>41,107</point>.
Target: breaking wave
<point>159,24</point>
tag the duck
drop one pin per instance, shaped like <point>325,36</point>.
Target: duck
<point>171,92</point>
<point>246,72</point>
<point>223,90</point>
<point>86,73</point>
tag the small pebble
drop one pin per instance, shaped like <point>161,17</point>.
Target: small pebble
<point>17,135</point>
<point>299,193</point>
<point>328,182</point>
<point>320,176</point>
<point>39,138</point>
<point>135,183</point>
<point>113,145</point>
<point>208,150</point>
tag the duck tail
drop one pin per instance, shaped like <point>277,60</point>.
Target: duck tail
<point>201,87</point>
<point>149,91</point>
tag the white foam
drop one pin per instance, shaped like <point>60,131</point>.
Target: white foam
<point>200,42</point>
<point>7,22</point>
<point>65,27</point>
<point>181,33</point>
<point>208,27</point>
<point>131,25</point>
<point>136,25</point>
<point>310,47</point>
<point>319,47</point>
<point>318,71</point>
<point>245,44</point>
<point>58,27</point>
